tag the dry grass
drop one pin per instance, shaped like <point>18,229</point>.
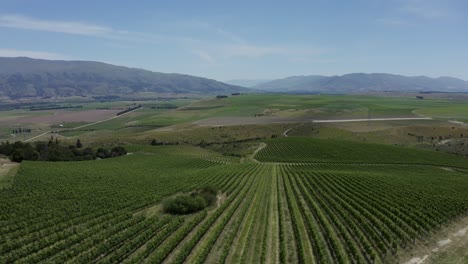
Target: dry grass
<point>7,172</point>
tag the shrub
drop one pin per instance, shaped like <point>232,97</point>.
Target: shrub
<point>184,204</point>
<point>118,151</point>
<point>191,203</point>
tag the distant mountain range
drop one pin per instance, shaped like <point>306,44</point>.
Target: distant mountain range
<point>362,82</point>
<point>24,77</point>
<point>247,82</point>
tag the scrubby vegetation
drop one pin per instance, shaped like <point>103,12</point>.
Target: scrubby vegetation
<point>191,203</point>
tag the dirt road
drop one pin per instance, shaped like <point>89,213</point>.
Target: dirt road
<point>235,121</point>
<point>90,124</point>
<point>29,139</point>
<point>371,119</point>
<point>100,121</point>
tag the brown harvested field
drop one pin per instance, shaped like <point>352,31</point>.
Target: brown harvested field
<point>62,116</point>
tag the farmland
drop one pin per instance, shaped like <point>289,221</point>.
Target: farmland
<point>168,119</point>
<point>305,201</point>
<point>290,190</point>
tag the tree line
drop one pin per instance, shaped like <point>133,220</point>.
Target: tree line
<point>21,130</point>
<point>129,109</point>
<point>54,150</point>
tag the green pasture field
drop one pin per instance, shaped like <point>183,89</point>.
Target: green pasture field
<point>300,200</point>
<point>145,121</point>
<point>448,111</point>
<point>307,106</point>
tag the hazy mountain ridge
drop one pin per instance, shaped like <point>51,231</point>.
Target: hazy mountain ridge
<point>363,82</point>
<point>25,77</point>
<point>247,82</point>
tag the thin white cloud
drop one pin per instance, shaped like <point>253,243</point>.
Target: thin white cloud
<point>426,12</point>
<point>77,28</point>
<point>195,25</point>
<point>220,52</point>
<point>429,9</point>
<point>414,12</point>
<point>225,44</point>
<point>205,56</point>
<point>81,28</point>
<point>32,54</point>
<point>230,36</point>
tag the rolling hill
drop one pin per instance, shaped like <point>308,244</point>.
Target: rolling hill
<point>25,77</point>
<point>362,82</point>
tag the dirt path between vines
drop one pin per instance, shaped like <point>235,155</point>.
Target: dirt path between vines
<point>449,245</point>
<point>7,172</point>
<point>285,133</point>
<point>251,157</point>
<point>273,247</point>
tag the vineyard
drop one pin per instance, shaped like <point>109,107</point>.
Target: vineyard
<point>309,150</point>
<point>306,201</point>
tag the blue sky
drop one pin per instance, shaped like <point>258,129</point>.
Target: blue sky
<point>245,39</point>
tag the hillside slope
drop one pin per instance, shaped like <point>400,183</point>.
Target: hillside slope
<point>25,77</point>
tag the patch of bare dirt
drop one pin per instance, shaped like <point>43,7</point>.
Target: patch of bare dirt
<point>446,169</point>
<point>220,198</point>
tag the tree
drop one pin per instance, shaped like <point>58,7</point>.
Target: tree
<point>154,142</point>
<point>102,153</point>
<point>78,144</point>
<point>17,156</point>
<point>118,151</point>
